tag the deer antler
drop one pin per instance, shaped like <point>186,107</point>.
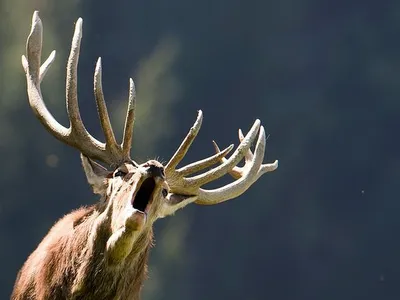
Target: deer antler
<point>238,172</point>
<point>246,176</point>
<point>76,135</point>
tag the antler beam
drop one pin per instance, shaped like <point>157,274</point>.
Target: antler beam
<point>76,135</point>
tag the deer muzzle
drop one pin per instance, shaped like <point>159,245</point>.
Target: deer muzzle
<point>151,179</point>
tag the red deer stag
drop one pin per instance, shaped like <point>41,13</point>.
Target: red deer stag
<point>101,251</point>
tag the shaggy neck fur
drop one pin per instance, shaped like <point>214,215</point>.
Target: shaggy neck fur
<point>70,262</point>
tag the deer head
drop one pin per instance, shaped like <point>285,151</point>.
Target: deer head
<point>101,251</point>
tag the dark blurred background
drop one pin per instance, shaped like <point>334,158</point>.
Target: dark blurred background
<point>323,76</point>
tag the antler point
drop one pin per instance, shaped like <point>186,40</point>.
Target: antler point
<point>98,69</point>
<point>215,146</point>
<point>35,17</point>
<point>132,88</point>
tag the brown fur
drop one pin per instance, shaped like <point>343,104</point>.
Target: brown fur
<point>95,252</point>
<point>101,251</point>
<point>66,253</point>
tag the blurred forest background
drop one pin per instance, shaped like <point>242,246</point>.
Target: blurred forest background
<point>324,78</point>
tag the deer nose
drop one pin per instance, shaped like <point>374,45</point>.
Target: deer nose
<point>155,169</point>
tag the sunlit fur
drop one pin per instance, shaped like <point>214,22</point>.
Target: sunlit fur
<point>100,251</point>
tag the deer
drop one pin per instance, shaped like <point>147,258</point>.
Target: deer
<point>101,251</point>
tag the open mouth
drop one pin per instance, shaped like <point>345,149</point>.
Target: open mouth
<point>144,195</point>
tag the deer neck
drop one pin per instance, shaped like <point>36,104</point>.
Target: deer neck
<point>124,278</point>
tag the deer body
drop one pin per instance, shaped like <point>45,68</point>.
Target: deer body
<point>101,251</point>
<point>71,263</point>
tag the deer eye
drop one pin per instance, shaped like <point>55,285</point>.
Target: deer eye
<point>164,192</point>
<point>119,173</point>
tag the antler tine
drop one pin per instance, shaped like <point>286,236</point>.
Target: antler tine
<point>184,147</point>
<point>34,49</point>
<point>31,65</point>
<point>248,155</point>
<point>46,65</point>
<point>204,163</point>
<point>264,168</point>
<point>234,172</point>
<point>71,83</point>
<point>224,168</point>
<point>111,143</point>
<point>236,188</point>
<point>238,172</point>
<point>129,120</point>
<point>78,136</point>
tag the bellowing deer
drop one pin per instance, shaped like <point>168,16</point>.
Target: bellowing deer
<point>101,251</point>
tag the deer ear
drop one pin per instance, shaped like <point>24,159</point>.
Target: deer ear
<point>95,174</point>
